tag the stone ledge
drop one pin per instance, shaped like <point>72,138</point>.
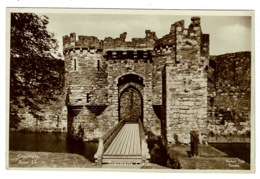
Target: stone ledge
<point>214,163</point>
<point>31,160</point>
<point>28,159</point>
<point>209,158</point>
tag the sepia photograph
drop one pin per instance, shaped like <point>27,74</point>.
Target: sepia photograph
<point>130,90</point>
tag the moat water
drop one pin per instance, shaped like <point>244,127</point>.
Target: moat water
<point>57,142</point>
<point>51,142</point>
<point>240,150</point>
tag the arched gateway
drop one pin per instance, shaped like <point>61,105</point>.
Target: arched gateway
<point>130,98</point>
<point>130,105</point>
<point>112,83</point>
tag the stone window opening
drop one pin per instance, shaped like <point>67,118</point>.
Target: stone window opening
<point>98,65</point>
<point>74,64</point>
<point>88,96</point>
<point>129,68</point>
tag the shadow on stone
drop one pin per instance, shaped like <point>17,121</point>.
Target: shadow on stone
<point>160,156</point>
<point>175,136</point>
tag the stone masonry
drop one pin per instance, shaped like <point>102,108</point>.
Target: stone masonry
<point>166,75</point>
<point>185,82</point>
<point>229,94</point>
<point>171,84</point>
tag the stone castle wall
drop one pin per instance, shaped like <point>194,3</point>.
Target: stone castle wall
<point>230,82</point>
<point>53,120</point>
<point>186,83</point>
<point>86,75</point>
<point>117,58</point>
<point>229,96</point>
<point>144,69</point>
<point>181,87</point>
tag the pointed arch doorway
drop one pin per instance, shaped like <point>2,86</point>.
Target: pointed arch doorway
<point>130,105</point>
<point>130,98</point>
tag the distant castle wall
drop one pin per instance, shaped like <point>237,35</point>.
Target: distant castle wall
<point>229,95</point>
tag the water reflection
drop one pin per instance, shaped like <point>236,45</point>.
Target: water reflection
<point>240,150</point>
<point>51,142</point>
<point>56,142</point>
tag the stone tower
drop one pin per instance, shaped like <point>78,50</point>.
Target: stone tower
<point>184,82</point>
<point>162,82</point>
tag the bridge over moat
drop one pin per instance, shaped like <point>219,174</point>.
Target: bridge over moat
<point>123,144</point>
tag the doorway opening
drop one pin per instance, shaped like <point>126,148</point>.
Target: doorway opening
<point>130,107</point>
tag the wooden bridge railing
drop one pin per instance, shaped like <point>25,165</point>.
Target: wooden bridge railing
<point>106,140</point>
<point>144,146</point>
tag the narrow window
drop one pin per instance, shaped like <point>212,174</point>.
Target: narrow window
<point>98,65</point>
<point>87,97</point>
<point>75,64</point>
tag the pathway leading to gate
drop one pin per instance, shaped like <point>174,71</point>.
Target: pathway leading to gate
<point>125,147</point>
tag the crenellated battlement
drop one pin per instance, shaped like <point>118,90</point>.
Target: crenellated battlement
<point>70,43</point>
<point>179,38</point>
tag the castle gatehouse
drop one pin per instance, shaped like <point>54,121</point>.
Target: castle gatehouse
<point>161,82</point>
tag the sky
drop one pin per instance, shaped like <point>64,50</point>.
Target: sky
<point>228,34</point>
